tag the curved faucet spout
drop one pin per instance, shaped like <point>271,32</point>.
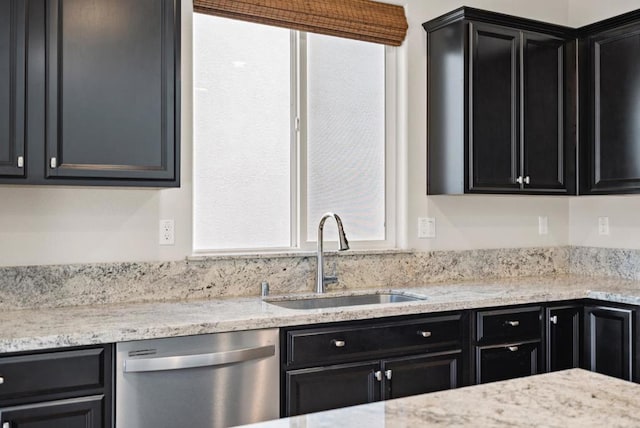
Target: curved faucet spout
<point>321,280</point>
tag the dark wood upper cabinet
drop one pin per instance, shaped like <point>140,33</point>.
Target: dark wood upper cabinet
<point>494,145</point>
<point>111,95</point>
<point>12,87</point>
<point>500,105</point>
<point>101,87</point>
<point>610,62</point>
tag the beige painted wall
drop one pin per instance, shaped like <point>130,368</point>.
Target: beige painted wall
<point>583,12</point>
<point>470,221</point>
<point>50,225</point>
<point>624,220</point>
<point>47,225</point>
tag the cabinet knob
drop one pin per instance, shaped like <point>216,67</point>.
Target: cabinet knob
<point>512,323</point>
<point>20,161</point>
<point>424,333</point>
<point>338,343</point>
<point>387,374</point>
<point>519,180</point>
<point>1,380</point>
<point>553,319</point>
<point>6,425</point>
<point>527,180</point>
<point>53,162</point>
<point>377,374</point>
<point>512,348</point>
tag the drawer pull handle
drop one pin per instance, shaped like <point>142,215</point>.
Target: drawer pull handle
<point>338,343</point>
<point>513,323</point>
<point>378,376</point>
<point>512,348</point>
<point>425,333</point>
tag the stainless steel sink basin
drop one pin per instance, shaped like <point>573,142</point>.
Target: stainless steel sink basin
<point>334,302</point>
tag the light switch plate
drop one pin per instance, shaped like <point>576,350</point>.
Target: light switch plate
<point>543,225</point>
<point>603,226</point>
<point>426,227</point>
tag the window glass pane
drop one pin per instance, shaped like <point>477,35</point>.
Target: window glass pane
<point>241,135</point>
<point>346,136</point>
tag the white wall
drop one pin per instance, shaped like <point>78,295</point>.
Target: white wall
<point>47,225</point>
<point>464,222</point>
<point>50,225</point>
<point>583,12</point>
<point>622,210</point>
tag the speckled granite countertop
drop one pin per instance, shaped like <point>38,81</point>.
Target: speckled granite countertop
<point>29,329</point>
<point>571,398</point>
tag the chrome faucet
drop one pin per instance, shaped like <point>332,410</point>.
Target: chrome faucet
<point>322,280</point>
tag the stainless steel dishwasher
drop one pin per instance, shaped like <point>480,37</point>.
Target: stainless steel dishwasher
<point>206,381</point>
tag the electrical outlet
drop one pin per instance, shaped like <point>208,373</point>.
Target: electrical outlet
<point>543,225</point>
<point>167,232</point>
<point>426,227</point>
<point>603,225</point>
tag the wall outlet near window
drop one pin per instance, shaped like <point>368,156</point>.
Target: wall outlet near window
<point>603,226</point>
<point>167,232</point>
<point>426,227</point>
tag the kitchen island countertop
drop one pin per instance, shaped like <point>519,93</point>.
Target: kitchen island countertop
<point>570,398</point>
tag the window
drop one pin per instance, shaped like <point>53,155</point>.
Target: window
<point>288,126</point>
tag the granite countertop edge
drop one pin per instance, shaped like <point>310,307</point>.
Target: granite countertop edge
<point>35,329</point>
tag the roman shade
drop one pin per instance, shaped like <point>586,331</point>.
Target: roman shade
<point>354,19</point>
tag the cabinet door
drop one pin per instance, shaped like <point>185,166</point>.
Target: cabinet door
<point>111,89</point>
<point>564,330</point>
<point>608,341</point>
<point>542,113</point>
<point>324,388</point>
<point>85,412</point>
<point>422,374</point>
<point>614,133</point>
<point>494,143</point>
<point>12,87</point>
<point>494,363</point>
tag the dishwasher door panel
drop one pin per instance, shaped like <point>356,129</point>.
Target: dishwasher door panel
<point>209,381</point>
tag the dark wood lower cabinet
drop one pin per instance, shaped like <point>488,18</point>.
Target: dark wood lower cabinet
<point>322,371</point>
<point>84,412</point>
<point>608,336</point>
<point>421,374</point>
<point>324,388</point>
<point>564,333</point>
<point>501,362</point>
<point>57,388</point>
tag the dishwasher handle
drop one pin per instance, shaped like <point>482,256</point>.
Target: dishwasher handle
<point>199,360</point>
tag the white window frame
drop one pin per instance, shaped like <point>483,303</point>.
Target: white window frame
<point>298,153</point>
<point>390,155</point>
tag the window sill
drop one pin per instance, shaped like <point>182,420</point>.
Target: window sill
<point>290,254</point>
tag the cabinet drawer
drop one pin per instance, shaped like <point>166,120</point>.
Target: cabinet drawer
<point>509,324</point>
<point>52,373</point>
<point>332,344</point>
<point>496,363</point>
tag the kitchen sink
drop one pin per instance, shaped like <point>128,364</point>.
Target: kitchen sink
<point>338,301</point>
